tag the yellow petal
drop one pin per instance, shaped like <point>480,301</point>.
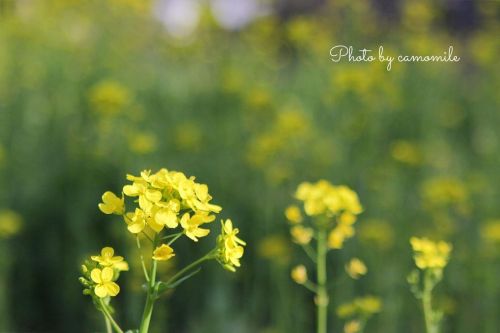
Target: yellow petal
<point>95,275</point>
<point>107,274</point>
<point>136,228</point>
<point>106,209</point>
<point>107,252</point>
<point>130,190</point>
<point>112,288</point>
<point>101,291</point>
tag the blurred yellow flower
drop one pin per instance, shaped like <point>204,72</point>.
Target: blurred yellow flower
<point>10,223</point>
<point>275,248</point>
<point>104,280</point>
<point>377,232</point>
<point>362,306</point>
<point>490,231</point>
<point>299,274</point>
<point>429,254</point>
<point>301,235</point>
<point>356,268</point>
<point>188,137</point>
<point>111,204</point>
<point>109,97</point>
<point>444,191</point>
<point>142,143</point>
<point>352,326</point>
<point>293,214</point>
<point>163,252</point>
<point>406,152</point>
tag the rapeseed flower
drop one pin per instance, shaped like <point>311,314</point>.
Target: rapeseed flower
<point>356,268</point>
<point>230,247</point>
<point>163,252</point>
<point>111,204</point>
<point>429,254</point>
<point>108,259</point>
<point>104,282</point>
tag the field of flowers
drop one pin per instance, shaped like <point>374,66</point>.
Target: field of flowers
<point>324,170</point>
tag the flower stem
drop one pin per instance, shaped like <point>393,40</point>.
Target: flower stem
<point>109,317</point>
<point>144,270</point>
<point>108,325</point>
<point>430,324</point>
<point>321,292</point>
<point>189,267</point>
<point>150,295</point>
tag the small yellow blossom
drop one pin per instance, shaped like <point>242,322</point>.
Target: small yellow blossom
<point>104,279</point>
<point>356,268</point>
<point>191,225</point>
<point>163,252</point>
<point>276,248</point>
<point>107,258</point>
<point>301,235</point>
<point>109,97</point>
<point>352,326</point>
<point>490,231</point>
<point>429,254</point>
<point>111,204</point>
<point>293,214</point>
<point>299,274</point>
<point>10,223</point>
<point>364,306</point>
<point>230,247</point>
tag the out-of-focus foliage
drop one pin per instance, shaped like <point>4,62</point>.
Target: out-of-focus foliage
<point>92,89</point>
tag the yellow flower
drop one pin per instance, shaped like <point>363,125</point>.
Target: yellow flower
<point>362,306</point>
<point>352,326</point>
<point>10,223</point>
<point>293,214</point>
<point>275,248</point>
<point>191,225</point>
<point>111,204</point>
<point>356,268</point>
<point>299,274</point>
<point>107,258</point>
<point>301,235</point>
<point>163,252</point>
<point>147,196</point>
<point>104,279</point>
<point>136,221</point>
<point>429,254</point>
<point>109,97</point>
<point>230,247</point>
<point>490,231</point>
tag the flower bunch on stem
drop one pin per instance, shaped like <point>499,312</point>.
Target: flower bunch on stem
<point>166,206</point>
<point>332,212</point>
<point>430,258</point>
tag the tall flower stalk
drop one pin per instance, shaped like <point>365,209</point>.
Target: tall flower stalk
<point>331,211</point>
<point>430,258</point>
<point>167,205</point>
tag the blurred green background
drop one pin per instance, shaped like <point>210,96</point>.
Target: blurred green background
<point>243,95</point>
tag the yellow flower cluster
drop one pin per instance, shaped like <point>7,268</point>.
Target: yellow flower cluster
<point>324,201</point>
<point>229,246</point>
<point>429,254</point>
<point>101,272</point>
<point>166,199</point>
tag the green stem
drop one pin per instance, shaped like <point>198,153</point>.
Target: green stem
<point>321,293</point>
<point>430,325</point>
<point>189,267</point>
<point>144,270</point>
<point>150,296</point>
<point>108,324</point>
<point>109,316</point>
<point>175,238</point>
